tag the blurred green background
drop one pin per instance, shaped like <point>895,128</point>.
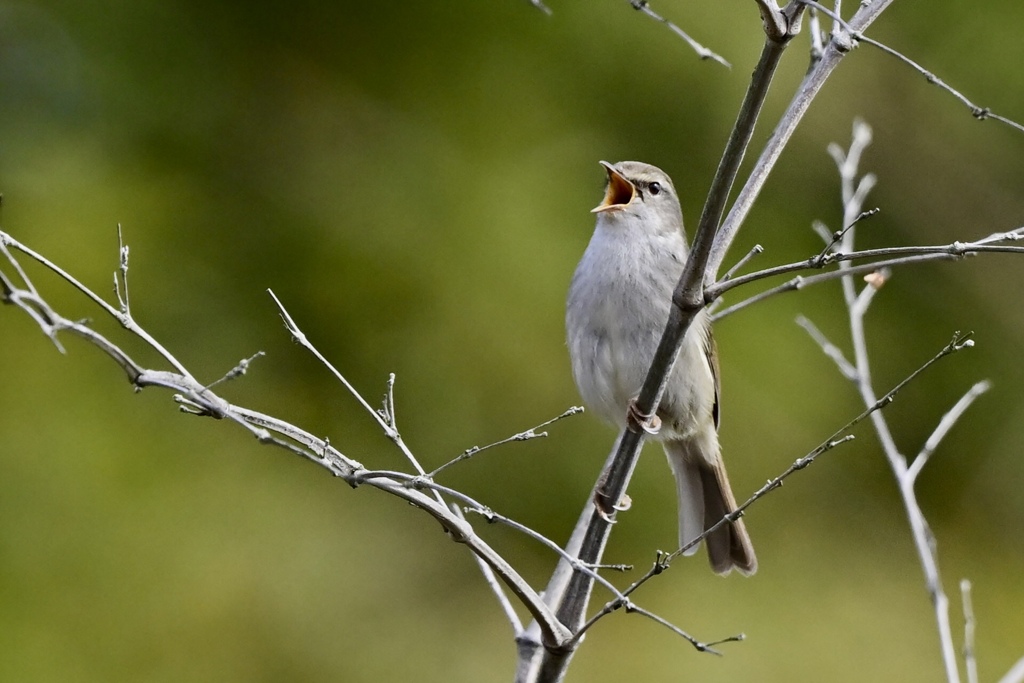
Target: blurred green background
<point>413,180</point>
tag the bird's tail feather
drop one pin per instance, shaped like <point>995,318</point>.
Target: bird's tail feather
<point>705,497</point>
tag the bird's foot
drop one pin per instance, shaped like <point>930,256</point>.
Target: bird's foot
<point>638,421</point>
<point>607,509</point>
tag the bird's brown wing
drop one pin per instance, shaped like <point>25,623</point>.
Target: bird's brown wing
<point>711,351</point>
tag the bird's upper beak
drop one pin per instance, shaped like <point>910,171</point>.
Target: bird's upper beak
<point>618,194</point>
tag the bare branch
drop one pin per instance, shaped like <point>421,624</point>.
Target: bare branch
<point>839,437</point>
<point>698,645</point>
<point>531,433</point>
<point>623,601</point>
<point>238,370</point>
<point>857,305</point>
<point>888,257</point>
<point>385,424</point>
<point>124,319</point>
<point>121,283</point>
<point>755,251</point>
<point>945,424</point>
<point>702,52</point>
<point>200,400</point>
<point>830,349</point>
<point>835,50</point>
<point>901,256</point>
<point>493,584</point>
<point>1015,674</point>
<point>970,662</point>
<point>978,112</point>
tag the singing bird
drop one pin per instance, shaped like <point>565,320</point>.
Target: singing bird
<point>618,307</point>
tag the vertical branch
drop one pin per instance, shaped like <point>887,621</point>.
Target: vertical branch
<point>854,192</point>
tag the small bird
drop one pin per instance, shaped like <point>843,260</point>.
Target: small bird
<point>618,306</point>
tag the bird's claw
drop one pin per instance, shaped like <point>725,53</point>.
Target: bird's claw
<point>604,515</point>
<point>638,421</point>
<point>607,510</point>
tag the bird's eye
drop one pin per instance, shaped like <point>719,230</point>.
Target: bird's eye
<point>654,188</point>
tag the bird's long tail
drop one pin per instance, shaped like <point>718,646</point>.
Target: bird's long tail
<point>705,497</point>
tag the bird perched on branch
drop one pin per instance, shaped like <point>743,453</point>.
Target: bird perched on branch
<point>618,307</point>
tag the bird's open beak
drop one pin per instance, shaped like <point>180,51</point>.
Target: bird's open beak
<point>618,194</point>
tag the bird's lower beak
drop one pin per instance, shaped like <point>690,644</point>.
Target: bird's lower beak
<point>619,192</point>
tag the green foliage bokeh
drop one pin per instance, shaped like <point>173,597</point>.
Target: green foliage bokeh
<point>413,180</point>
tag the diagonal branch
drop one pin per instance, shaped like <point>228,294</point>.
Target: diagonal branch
<point>978,112</point>
<point>945,424</point>
<point>200,400</point>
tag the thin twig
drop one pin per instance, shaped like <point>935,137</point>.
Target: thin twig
<point>890,257</point>
<point>957,343</point>
<point>755,251</point>
<point>389,429</point>
<point>840,436</point>
<point>945,424</point>
<point>801,281</point>
<point>697,644</point>
<point>702,52</point>
<point>836,237</point>
<point>531,433</point>
<point>124,319</point>
<point>494,584</point>
<point>830,349</point>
